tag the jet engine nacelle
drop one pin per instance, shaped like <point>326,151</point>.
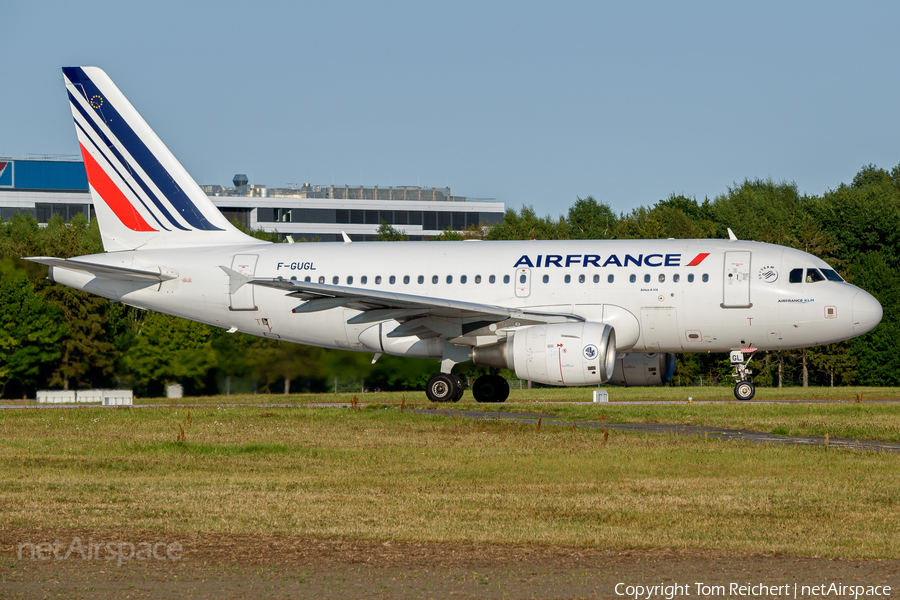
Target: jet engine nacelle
<point>644,369</point>
<point>559,354</point>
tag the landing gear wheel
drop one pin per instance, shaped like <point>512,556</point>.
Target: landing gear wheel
<point>459,388</point>
<point>490,388</point>
<point>443,387</point>
<point>744,390</point>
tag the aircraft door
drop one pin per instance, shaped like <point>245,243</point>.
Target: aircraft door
<point>242,298</point>
<point>522,282</point>
<point>736,291</point>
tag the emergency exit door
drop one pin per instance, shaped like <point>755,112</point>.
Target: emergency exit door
<point>523,283</point>
<point>736,286</point>
<point>242,298</point>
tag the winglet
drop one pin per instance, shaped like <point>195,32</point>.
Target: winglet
<point>731,235</point>
<point>346,237</point>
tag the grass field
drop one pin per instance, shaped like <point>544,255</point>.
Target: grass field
<point>378,474</point>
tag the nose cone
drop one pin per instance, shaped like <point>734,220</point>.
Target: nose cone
<point>867,312</point>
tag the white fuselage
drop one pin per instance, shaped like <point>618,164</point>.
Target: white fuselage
<point>737,297</point>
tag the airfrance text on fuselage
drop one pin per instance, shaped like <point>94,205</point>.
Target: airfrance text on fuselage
<point>595,260</point>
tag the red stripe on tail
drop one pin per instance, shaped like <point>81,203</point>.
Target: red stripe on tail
<point>697,259</point>
<point>112,195</point>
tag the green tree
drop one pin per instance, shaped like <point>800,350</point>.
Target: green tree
<point>387,233</point>
<point>591,220</point>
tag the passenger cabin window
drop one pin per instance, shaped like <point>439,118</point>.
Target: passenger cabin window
<point>364,280</point>
<point>581,279</point>
<point>676,278</point>
<point>449,278</point>
<point>690,278</point>
<point>378,280</point>
<point>611,278</point>
<point>406,279</point>
<point>796,276</point>
<point>463,279</point>
<point>522,278</point>
<point>632,278</point>
<point>421,279</point>
<point>662,278</point>
<point>349,279</point>
<point>392,280</point>
<point>596,279</point>
<point>321,280</point>
<point>335,280</point>
<point>307,279</point>
<point>568,279</point>
<point>478,279</point>
<point>506,279</point>
<point>546,279</point>
<point>434,279</point>
<point>647,278</point>
<point>492,279</point>
<point>705,278</point>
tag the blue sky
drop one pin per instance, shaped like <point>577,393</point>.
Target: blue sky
<point>529,103</point>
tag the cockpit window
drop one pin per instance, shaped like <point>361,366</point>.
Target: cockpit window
<point>813,276</point>
<point>796,276</point>
<point>831,275</point>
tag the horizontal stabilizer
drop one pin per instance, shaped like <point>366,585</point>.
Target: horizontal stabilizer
<point>105,271</point>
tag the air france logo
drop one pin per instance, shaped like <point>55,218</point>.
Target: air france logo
<point>613,260</point>
<point>590,352</point>
<point>768,274</point>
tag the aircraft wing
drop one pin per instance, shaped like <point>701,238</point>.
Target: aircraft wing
<point>107,271</point>
<point>423,316</point>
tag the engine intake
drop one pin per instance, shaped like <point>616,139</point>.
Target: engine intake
<point>559,354</point>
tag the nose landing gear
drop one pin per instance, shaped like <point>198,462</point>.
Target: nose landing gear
<point>743,388</point>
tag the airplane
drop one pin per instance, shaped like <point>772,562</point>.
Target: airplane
<point>563,313</point>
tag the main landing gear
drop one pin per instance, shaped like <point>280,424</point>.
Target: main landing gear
<point>490,388</point>
<point>743,388</point>
<point>447,387</point>
<point>444,387</point>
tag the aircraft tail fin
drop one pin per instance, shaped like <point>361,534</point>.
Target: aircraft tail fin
<point>142,195</point>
